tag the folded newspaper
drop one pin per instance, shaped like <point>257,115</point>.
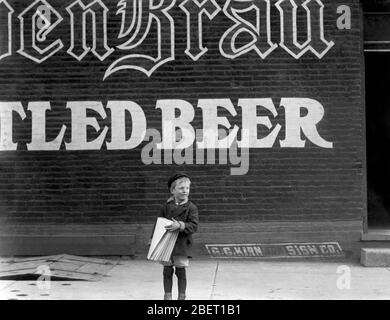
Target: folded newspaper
<point>163,241</point>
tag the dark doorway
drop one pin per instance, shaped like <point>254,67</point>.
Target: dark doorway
<point>378,138</point>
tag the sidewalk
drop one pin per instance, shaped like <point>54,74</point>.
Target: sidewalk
<point>210,279</point>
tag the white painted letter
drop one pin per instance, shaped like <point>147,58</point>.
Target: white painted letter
<point>6,12</point>
<point>195,11</point>
<point>78,24</point>
<point>6,128</point>
<point>145,12</point>
<point>170,123</point>
<point>294,122</point>
<point>38,132</point>
<point>118,125</point>
<point>211,121</point>
<point>40,25</point>
<point>250,122</point>
<point>314,26</point>
<point>80,121</point>
<point>260,33</point>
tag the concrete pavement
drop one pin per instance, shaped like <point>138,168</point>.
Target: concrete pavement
<point>211,279</point>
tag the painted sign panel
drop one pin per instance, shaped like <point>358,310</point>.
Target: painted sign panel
<point>279,250</point>
<point>89,26</point>
<point>258,101</point>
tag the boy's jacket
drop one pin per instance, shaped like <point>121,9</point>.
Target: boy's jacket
<point>188,213</point>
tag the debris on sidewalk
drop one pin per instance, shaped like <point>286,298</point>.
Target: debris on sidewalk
<point>58,267</point>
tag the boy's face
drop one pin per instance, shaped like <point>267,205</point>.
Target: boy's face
<point>181,190</point>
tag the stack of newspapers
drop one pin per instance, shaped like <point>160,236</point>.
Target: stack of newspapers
<point>163,241</point>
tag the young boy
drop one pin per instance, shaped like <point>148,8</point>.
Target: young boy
<point>184,215</point>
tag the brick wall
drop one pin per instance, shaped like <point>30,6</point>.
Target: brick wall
<point>108,187</point>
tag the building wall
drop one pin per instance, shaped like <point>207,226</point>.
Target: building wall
<point>303,193</point>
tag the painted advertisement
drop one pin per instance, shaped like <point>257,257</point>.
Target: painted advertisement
<point>259,101</point>
<point>280,250</point>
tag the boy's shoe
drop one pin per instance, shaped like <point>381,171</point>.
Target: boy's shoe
<point>182,296</point>
<point>167,296</point>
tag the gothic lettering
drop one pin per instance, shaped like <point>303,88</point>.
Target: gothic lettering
<point>37,21</point>
<point>6,12</point>
<point>147,30</point>
<point>259,31</point>
<point>148,13</point>
<point>78,16</point>
<point>195,12</point>
<point>313,31</point>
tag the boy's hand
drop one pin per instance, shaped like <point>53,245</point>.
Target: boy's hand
<point>174,226</point>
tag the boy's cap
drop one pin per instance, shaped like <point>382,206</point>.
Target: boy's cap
<point>175,177</point>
